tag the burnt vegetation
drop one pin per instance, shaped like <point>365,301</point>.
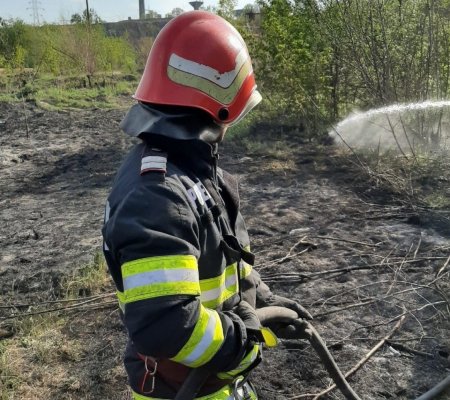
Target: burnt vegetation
<point>359,235</point>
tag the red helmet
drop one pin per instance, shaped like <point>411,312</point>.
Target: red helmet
<point>200,60</point>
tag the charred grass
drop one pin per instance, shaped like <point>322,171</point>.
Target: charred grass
<point>348,239</point>
<point>50,344</point>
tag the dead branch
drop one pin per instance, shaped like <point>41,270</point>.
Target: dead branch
<point>24,305</point>
<point>363,360</point>
<point>347,241</point>
<point>77,307</point>
<point>441,270</point>
<point>402,347</point>
<point>304,276</point>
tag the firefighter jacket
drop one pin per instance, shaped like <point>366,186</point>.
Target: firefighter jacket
<point>179,253</point>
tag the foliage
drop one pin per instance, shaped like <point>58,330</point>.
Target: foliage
<point>226,9</point>
<point>15,38</point>
<point>291,60</point>
<point>64,50</point>
<point>84,17</point>
<point>152,14</point>
<point>315,61</point>
<point>175,12</point>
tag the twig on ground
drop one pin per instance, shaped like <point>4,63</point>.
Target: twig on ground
<point>363,360</point>
<point>347,241</point>
<point>347,292</point>
<point>101,296</point>
<point>383,298</point>
<point>418,246</point>
<point>305,276</point>
<point>79,306</point>
<point>285,258</point>
<point>402,347</point>
<point>441,270</point>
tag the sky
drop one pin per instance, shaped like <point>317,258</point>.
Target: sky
<point>108,10</point>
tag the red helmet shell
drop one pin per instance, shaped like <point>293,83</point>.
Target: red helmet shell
<point>199,60</point>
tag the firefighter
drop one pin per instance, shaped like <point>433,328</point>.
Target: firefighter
<point>174,239</point>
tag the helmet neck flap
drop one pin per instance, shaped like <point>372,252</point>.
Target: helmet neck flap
<point>180,123</point>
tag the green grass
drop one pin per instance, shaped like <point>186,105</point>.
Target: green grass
<point>71,92</point>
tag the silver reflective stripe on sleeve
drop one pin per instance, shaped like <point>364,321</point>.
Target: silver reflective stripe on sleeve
<point>215,293</point>
<point>205,342</point>
<point>160,276</point>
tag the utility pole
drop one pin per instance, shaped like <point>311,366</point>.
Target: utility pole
<point>88,14</point>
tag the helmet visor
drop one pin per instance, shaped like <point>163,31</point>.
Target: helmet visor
<point>254,99</point>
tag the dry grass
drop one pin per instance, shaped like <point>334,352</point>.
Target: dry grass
<point>39,359</point>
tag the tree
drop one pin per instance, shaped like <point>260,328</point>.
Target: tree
<point>175,12</point>
<point>226,9</point>
<point>14,42</point>
<point>83,17</point>
<point>291,62</point>
<point>151,14</point>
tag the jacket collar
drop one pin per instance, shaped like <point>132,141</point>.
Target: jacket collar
<point>179,123</point>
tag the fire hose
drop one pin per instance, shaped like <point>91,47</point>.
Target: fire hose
<point>267,316</point>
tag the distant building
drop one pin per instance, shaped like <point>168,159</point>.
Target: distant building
<point>196,4</point>
<point>136,28</point>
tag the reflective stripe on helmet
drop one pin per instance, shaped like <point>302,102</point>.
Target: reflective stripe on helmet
<point>214,291</point>
<point>159,276</point>
<point>204,71</point>
<point>205,341</point>
<point>224,95</point>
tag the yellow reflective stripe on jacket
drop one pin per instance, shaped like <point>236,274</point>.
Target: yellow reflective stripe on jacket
<point>205,341</point>
<point>214,291</point>
<point>159,276</point>
<point>226,393</point>
<point>246,362</point>
<point>246,269</point>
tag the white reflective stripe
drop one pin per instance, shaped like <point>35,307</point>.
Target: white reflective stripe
<point>198,193</point>
<point>161,276</point>
<point>154,159</point>
<point>153,162</point>
<point>223,80</point>
<point>153,165</point>
<point>207,339</point>
<point>213,294</point>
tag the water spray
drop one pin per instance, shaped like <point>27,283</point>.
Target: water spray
<point>423,126</point>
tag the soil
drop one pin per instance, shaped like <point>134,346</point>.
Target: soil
<point>309,211</point>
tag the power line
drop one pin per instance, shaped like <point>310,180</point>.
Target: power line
<point>35,7</point>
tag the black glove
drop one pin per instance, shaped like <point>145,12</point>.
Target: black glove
<point>295,330</point>
<point>265,298</point>
<point>248,315</point>
<point>287,329</point>
<point>281,301</point>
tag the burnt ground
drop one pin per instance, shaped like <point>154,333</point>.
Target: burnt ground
<point>355,255</point>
